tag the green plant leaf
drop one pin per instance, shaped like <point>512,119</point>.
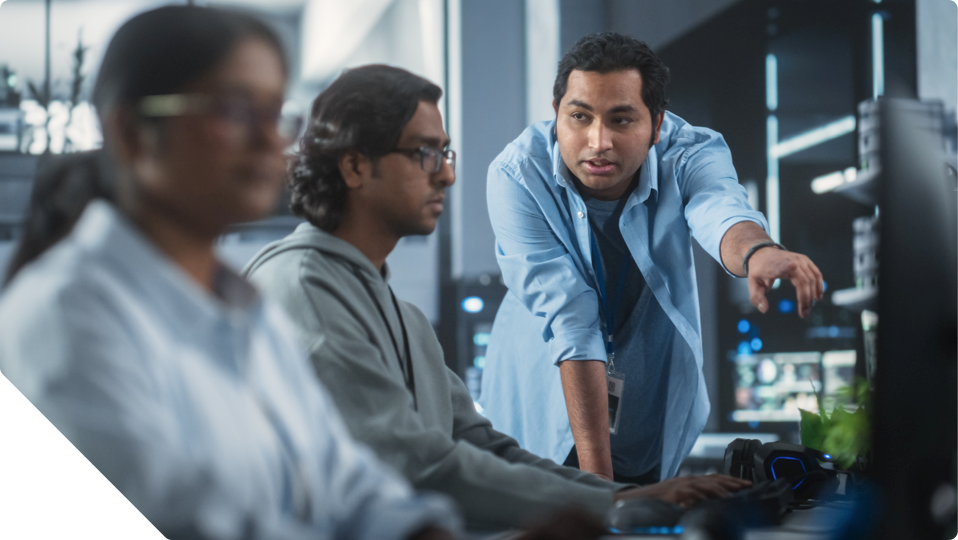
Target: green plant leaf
<point>812,430</point>
<point>849,437</point>
<point>845,435</point>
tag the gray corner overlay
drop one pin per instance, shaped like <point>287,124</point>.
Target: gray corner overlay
<point>48,490</point>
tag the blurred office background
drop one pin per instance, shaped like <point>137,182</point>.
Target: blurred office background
<point>787,82</point>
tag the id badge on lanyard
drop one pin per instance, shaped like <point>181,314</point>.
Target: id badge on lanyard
<point>616,384</point>
<point>615,381</point>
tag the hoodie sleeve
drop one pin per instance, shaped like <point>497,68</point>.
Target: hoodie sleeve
<point>367,499</point>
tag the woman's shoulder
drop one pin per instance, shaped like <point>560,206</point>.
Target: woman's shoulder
<point>67,295</point>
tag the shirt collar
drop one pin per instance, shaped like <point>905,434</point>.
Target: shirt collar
<point>648,177</point>
<point>560,173</point>
<point>107,233</point>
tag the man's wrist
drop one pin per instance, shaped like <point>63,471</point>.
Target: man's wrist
<point>597,461</point>
<point>752,250</point>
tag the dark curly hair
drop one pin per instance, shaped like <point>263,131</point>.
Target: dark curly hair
<point>606,52</point>
<point>363,110</point>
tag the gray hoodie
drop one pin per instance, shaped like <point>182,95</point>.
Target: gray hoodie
<point>441,443</point>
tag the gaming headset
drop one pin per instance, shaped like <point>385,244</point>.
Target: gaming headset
<point>751,460</point>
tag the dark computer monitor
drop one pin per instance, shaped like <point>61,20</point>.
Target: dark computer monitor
<point>916,410</point>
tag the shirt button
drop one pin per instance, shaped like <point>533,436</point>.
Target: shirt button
<point>581,214</point>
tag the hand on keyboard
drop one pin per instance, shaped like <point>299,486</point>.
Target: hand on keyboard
<point>688,490</point>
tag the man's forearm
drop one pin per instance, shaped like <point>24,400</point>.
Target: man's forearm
<point>737,241</point>
<point>587,400</point>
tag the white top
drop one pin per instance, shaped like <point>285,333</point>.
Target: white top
<point>200,409</point>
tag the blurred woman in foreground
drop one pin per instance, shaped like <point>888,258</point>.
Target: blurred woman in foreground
<point>163,367</point>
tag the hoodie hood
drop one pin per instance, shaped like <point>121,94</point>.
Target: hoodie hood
<point>309,237</point>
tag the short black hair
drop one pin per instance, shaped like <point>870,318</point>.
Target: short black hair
<point>606,52</point>
<point>364,110</point>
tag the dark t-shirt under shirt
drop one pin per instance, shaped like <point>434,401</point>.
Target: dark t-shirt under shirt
<point>643,337</point>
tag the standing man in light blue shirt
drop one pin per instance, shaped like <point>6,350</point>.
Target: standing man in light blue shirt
<point>594,215</point>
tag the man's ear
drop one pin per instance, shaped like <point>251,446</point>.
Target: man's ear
<point>658,126</point>
<point>355,168</point>
<point>555,107</point>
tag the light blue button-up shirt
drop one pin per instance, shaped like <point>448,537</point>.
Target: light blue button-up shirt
<point>201,409</point>
<point>687,187</point>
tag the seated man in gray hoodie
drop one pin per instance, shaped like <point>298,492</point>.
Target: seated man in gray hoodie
<point>373,167</point>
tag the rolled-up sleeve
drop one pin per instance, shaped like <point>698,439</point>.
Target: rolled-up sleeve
<point>538,268</point>
<point>714,200</point>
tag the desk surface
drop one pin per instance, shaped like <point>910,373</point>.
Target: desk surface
<point>806,524</point>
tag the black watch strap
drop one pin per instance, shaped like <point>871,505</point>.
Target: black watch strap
<point>751,251</point>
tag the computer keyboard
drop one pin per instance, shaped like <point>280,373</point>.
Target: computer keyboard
<point>760,505</point>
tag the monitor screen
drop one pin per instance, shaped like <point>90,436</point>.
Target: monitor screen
<point>838,371</point>
<point>773,387</point>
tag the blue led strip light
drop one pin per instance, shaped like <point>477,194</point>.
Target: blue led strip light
<point>649,530</point>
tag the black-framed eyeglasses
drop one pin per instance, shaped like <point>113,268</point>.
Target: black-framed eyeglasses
<point>429,157</point>
<point>238,114</point>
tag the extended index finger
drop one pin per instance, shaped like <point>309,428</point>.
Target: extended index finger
<point>756,293</point>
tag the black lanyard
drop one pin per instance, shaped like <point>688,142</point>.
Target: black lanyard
<point>406,369</point>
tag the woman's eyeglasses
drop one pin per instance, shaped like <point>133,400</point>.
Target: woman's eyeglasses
<point>238,116</point>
